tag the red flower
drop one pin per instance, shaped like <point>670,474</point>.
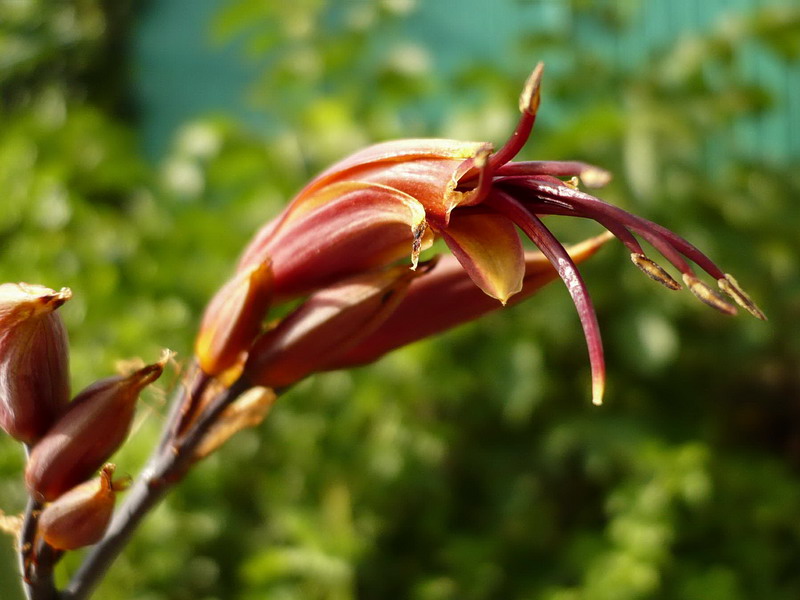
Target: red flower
<point>393,199</point>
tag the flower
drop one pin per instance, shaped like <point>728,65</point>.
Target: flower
<point>395,198</point>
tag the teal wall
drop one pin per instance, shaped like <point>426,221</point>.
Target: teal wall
<point>182,72</point>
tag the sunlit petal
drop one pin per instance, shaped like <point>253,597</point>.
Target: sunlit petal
<point>488,247</point>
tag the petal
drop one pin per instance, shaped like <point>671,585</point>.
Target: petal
<point>355,226</point>
<point>325,325</point>
<point>233,318</point>
<point>395,151</point>
<point>489,249</point>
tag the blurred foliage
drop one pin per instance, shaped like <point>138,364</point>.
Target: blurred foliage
<point>469,466</point>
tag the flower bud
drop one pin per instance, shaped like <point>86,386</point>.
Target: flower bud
<point>328,323</point>
<point>94,426</point>
<point>233,319</point>
<point>34,373</point>
<point>81,516</point>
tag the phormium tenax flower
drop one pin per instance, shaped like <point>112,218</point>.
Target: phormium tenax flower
<point>34,359</point>
<point>382,202</point>
<point>94,426</point>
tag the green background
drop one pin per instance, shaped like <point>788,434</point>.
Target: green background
<point>141,145</point>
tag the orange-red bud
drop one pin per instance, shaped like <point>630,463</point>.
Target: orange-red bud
<point>81,516</point>
<point>325,325</point>
<point>233,319</point>
<point>34,373</point>
<point>94,426</point>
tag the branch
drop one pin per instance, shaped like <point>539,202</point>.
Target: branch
<point>166,467</point>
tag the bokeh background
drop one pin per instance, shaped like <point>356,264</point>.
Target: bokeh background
<point>142,143</point>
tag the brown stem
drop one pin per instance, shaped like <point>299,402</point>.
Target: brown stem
<point>36,564</point>
<point>166,467</point>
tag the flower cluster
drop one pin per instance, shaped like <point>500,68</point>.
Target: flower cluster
<point>347,252</point>
<point>67,440</point>
<point>339,241</point>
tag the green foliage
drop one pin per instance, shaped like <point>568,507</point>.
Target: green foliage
<point>469,466</point>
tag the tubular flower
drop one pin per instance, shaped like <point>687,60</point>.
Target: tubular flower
<point>34,375</point>
<point>394,198</point>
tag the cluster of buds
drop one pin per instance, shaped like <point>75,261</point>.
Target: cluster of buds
<point>67,440</point>
<point>339,242</point>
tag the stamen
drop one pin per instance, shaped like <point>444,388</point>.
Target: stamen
<point>617,230</point>
<point>568,271</point>
<point>688,250</point>
<point>595,177</point>
<point>654,234</point>
<point>731,287</point>
<point>528,105</point>
<point>654,271</point>
<point>572,182</point>
<point>530,97</point>
<point>708,295</point>
<point>591,175</point>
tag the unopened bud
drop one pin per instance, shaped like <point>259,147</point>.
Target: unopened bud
<point>34,360</point>
<point>81,516</point>
<point>233,319</point>
<point>94,426</point>
<point>326,324</point>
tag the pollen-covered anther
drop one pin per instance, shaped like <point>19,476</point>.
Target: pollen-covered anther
<point>595,177</point>
<point>573,182</point>
<point>654,271</point>
<point>707,294</point>
<point>731,287</point>
<point>530,96</point>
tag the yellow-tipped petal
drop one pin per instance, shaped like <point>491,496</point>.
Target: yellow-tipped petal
<point>488,247</point>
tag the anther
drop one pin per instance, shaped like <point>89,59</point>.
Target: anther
<point>529,99</point>
<point>654,271</point>
<point>731,287</point>
<point>594,177</point>
<point>708,295</point>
